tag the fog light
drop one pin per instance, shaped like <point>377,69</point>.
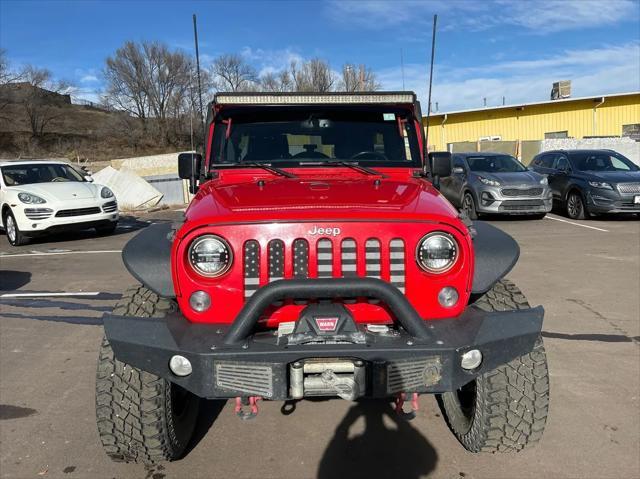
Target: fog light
<point>180,366</point>
<point>471,359</point>
<point>448,297</point>
<point>200,301</point>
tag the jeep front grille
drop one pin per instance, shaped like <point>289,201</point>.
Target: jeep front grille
<point>325,266</point>
<point>627,188</point>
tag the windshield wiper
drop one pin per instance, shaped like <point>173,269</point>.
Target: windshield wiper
<point>255,164</point>
<point>353,166</point>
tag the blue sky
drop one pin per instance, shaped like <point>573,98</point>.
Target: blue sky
<point>495,48</point>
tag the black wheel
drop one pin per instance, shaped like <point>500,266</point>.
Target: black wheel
<point>14,235</point>
<point>469,206</point>
<point>575,206</point>
<point>107,230</point>
<point>141,417</point>
<point>504,410</point>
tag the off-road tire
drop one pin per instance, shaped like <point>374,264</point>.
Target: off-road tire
<point>141,417</point>
<point>505,410</point>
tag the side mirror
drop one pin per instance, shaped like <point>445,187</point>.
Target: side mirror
<point>458,170</point>
<point>88,178</point>
<point>440,162</point>
<point>189,169</point>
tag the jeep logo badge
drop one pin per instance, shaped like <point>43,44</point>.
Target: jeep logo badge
<point>328,230</point>
<point>326,324</point>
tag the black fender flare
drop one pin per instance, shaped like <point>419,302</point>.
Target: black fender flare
<point>495,254</point>
<point>147,256</point>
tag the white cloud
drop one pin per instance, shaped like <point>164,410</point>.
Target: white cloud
<point>599,71</point>
<point>539,16</point>
<point>89,79</point>
<point>270,61</point>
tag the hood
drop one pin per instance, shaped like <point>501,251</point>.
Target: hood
<point>527,178</point>
<point>62,191</point>
<point>612,176</point>
<point>363,198</point>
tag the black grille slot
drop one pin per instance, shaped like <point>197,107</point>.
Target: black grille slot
<point>521,191</point>
<point>300,259</point>
<point>251,267</point>
<point>396,263</point>
<point>276,260</point>
<point>77,212</point>
<point>325,258</point>
<point>372,258</point>
<point>349,258</point>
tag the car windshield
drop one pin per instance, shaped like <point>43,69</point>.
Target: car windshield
<point>495,164</point>
<point>311,135</point>
<point>602,161</point>
<point>25,174</point>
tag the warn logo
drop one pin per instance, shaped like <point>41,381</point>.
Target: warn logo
<point>326,324</point>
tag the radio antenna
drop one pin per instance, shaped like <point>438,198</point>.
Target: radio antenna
<point>202,117</point>
<point>433,50</point>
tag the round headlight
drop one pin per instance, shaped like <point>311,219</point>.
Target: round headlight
<point>210,255</point>
<point>437,252</point>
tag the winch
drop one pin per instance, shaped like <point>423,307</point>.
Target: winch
<point>327,377</point>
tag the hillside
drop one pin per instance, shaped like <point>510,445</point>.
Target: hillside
<point>71,131</point>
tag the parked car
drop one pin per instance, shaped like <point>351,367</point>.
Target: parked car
<point>317,259</point>
<point>39,197</point>
<point>589,182</point>
<point>495,183</point>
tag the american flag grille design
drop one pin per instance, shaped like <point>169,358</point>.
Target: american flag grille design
<point>325,251</point>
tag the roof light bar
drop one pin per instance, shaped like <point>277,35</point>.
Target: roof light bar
<point>305,99</point>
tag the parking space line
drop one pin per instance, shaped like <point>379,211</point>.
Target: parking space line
<point>20,255</point>
<point>47,295</point>
<point>576,224</point>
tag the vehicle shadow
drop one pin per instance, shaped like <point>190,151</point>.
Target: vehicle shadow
<point>12,280</point>
<point>379,451</point>
<point>126,225</point>
<point>209,411</point>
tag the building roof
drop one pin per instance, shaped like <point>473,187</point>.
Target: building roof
<point>547,102</point>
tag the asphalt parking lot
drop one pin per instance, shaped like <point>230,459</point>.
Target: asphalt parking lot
<point>586,274</point>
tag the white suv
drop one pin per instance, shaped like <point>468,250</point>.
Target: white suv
<point>38,197</point>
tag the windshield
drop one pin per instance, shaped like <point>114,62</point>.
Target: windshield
<point>310,135</point>
<point>495,164</point>
<point>38,173</point>
<point>602,161</point>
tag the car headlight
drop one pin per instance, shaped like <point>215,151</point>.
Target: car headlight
<point>488,181</point>
<point>106,192</point>
<point>601,184</point>
<point>437,252</point>
<point>30,199</point>
<point>544,181</point>
<point>210,255</point>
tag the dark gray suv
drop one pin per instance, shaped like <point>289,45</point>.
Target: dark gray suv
<point>589,182</point>
<point>495,183</point>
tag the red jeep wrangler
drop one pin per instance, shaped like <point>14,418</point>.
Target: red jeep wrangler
<point>318,258</point>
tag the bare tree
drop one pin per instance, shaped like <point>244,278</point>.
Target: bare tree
<point>312,76</point>
<point>41,98</point>
<point>358,78</point>
<point>7,74</point>
<point>231,72</point>
<point>126,81</point>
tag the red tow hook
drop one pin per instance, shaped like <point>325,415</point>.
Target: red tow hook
<point>253,406</point>
<point>400,400</point>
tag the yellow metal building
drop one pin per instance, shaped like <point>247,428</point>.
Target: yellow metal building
<point>604,115</point>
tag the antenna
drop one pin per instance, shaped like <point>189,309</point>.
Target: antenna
<point>402,67</point>
<point>202,117</point>
<point>433,51</point>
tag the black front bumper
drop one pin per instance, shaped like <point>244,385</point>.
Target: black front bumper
<point>428,360</point>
